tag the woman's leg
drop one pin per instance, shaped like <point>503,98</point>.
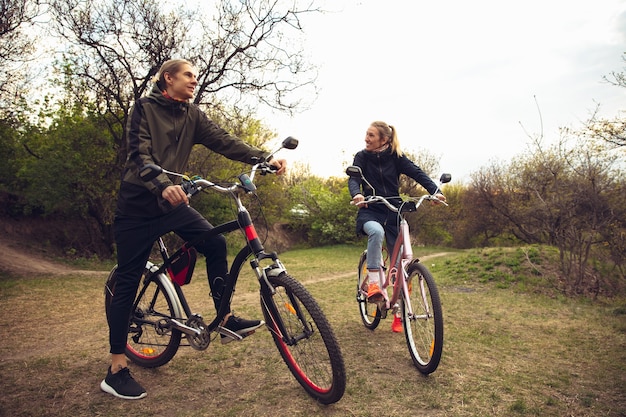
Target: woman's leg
<point>375,235</point>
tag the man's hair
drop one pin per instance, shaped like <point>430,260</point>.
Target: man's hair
<point>171,66</point>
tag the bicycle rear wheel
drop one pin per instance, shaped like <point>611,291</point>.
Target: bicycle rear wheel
<point>151,341</point>
<point>370,314</point>
<point>424,328</point>
<point>304,339</point>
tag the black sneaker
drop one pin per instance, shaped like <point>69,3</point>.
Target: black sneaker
<point>240,326</point>
<point>122,385</point>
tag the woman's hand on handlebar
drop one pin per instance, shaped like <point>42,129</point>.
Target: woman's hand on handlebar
<point>440,197</point>
<point>358,199</point>
<point>175,195</point>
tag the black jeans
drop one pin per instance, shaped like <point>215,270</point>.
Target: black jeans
<point>134,238</point>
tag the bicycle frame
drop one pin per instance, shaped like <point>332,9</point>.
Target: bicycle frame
<point>396,275</point>
<point>415,299</point>
<point>401,256</point>
<point>161,314</point>
<point>254,245</point>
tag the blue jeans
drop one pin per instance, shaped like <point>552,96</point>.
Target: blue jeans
<point>375,236</point>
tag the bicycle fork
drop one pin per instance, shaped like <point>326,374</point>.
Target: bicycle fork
<point>276,321</point>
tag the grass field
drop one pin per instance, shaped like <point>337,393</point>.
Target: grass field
<point>513,347</point>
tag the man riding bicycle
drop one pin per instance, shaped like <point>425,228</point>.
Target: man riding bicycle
<point>162,129</point>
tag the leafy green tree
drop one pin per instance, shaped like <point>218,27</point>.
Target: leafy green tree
<point>17,17</point>
<point>246,53</point>
<point>9,149</point>
<point>270,189</point>
<point>321,211</point>
<point>68,171</point>
<point>427,226</point>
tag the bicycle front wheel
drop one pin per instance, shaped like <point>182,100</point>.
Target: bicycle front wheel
<point>423,328</point>
<point>151,341</point>
<point>370,314</point>
<point>304,339</point>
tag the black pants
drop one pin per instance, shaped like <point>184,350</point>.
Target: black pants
<point>134,238</point>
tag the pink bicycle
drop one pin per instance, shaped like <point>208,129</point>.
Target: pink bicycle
<point>415,297</point>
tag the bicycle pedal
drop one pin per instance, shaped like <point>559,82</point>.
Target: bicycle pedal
<point>230,334</point>
<point>376,299</point>
<point>382,307</point>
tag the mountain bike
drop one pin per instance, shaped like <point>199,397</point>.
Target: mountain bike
<point>161,315</point>
<point>415,298</point>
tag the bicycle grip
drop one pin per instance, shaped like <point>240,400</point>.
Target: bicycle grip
<point>267,168</point>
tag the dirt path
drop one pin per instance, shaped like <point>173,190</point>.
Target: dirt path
<point>19,261</point>
<point>15,260</point>
<point>353,273</point>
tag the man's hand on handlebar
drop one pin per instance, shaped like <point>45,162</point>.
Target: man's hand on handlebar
<point>175,195</point>
<point>280,164</point>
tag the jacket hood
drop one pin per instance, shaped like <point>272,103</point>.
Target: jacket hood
<point>385,154</point>
<point>157,95</point>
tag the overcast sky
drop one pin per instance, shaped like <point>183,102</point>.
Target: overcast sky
<point>456,78</point>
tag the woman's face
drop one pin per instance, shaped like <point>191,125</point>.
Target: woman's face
<point>181,85</point>
<point>373,139</point>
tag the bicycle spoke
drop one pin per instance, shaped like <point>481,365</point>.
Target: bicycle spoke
<point>370,314</point>
<point>305,339</point>
<point>151,342</point>
<point>422,319</point>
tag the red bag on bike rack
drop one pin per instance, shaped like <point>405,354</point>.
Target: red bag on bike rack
<point>181,268</point>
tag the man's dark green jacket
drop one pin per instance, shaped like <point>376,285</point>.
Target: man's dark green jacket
<point>163,131</point>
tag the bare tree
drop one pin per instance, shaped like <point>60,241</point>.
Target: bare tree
<point>251,48</point>
<point>617,78</point>
<point>15,46</point>
<point>611,131</point>
<point>112,49</point>
<point>569,195</point>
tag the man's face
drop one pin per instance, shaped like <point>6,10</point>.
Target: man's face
<point>181,85</point>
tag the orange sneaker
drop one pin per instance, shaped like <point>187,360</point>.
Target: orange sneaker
<point>396,325</point>
<point>374,294</point>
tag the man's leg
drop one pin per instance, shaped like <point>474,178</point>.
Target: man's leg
<point>133,241</point>
<point>191,225</point>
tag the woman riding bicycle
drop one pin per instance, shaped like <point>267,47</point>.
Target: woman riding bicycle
<point>162,129</point>
<point>382,161</point>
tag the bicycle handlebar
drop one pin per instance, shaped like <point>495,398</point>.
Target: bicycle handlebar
<point>193,185</point>
<point>376,199</point>
<point>354,171</point>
